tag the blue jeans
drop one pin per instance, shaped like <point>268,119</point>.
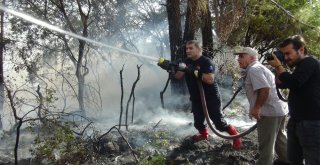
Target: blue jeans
<point>304,142</point>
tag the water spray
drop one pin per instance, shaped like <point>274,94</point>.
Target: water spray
<point>59,30</point>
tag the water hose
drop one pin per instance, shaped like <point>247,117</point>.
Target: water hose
<point>205,111</point>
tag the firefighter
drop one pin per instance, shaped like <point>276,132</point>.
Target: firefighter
<point>198,67</point>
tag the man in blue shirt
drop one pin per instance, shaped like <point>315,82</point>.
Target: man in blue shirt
<point>199,67</point>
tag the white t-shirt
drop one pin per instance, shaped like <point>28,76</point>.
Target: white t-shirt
<point>258,76</point>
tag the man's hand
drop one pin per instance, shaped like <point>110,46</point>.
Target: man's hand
<point>164,64</point>
<point>190,69</point>
<point>255,113</point>
<point>277,65</point>
<point>275,62</point>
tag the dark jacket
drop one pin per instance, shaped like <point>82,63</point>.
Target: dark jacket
<point>304,85</point>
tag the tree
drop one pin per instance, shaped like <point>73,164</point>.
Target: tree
<point>308,20</point>
<point>197,17</point>
<point>206,31</point>
<point>227,16</point>
<point>2,46</point>
<point>264,23</point>
<point>175,39</point>
<point>77,19</point>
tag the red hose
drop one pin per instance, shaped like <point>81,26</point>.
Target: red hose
<point>205,111</point>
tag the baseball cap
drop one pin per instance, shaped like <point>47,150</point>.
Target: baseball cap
<point>245,50</point>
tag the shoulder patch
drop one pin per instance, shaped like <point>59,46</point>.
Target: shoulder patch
<point>211,68</point>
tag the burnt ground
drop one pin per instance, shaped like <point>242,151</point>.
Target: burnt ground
<point>158,146</point>
<point>167,149</point>
<point>213,151</point>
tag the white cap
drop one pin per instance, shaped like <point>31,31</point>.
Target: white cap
<point>245,50</point>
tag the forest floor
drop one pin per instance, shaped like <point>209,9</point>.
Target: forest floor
<point>165,149</point>
<point>161,147</point>
<point>166,142</point>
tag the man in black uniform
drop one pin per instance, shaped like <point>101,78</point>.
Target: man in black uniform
<point>201,67</point>
<point>304,100</point>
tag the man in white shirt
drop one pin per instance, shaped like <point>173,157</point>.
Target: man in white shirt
<point>265,106</point>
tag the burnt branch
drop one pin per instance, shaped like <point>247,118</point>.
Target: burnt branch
<point>164,90</point>
<point>232,98</point>
<point>18,127</point>
<point>157,124</point>
<point>121,100</point>
<point>132,95</point>
<point>115,127</point>
<point>20,119</point>
<point>133,100</point>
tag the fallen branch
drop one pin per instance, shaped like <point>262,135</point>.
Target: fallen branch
<point>157,124</point>
<point>115,127</point>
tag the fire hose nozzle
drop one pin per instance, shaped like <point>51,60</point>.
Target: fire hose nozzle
<point>161,60</point>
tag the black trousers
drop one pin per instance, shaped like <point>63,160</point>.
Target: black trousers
<point>215,114</point>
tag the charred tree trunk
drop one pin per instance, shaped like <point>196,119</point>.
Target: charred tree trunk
<point>206,31</point>
<point>2,44</point>
<point>175,30</point>
<point>81,68</point>
<point>191,24</point>
<point>81,77</point>
<point>121,100</point>
<point>176,44</point>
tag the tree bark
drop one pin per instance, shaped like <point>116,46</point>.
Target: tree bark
<point>175,30</point>
<point>192,23</point>
<point>2,44</point>
<point>207,34</point>
<point>176,44</point>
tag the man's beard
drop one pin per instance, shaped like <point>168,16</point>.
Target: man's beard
<point>294,63</point>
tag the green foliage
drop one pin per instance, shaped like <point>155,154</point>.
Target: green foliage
<point>265,24</point>
<point>160,140</point>
<point>157,159</point>
<point>59,145</point>
<point>50,96</point>
<point>310,14</point>
<point>158,143</point>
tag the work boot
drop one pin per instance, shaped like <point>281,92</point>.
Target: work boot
<point>236,141</point>
<point>204,134</point>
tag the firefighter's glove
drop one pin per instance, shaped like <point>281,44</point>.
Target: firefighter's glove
<point>275,62</point>
<point>164,64</point>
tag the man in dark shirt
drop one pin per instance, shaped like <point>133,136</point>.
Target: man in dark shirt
<point>199,67</point>
<point>304,100</point>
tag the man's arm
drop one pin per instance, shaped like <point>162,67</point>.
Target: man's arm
<point>279,70</point>
<point>179,75</point>
<point>301,74</point>
<point>262,96</point>
<point>208,78</point>
<point>278,67</point>
<point>207,71</point>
